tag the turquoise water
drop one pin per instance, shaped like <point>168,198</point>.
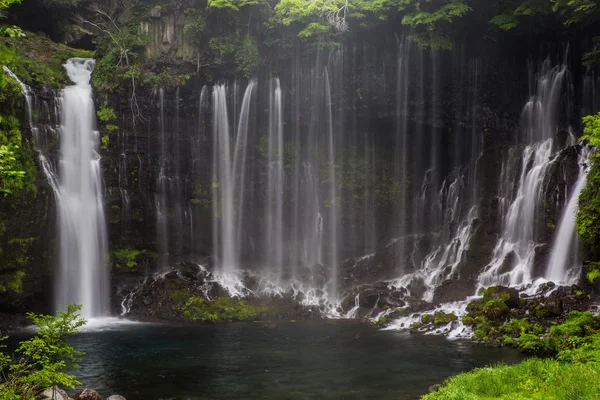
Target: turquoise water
<point>297,360</point>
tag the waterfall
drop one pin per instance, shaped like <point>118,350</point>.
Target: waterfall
<point>82,276</point>
<point>513,256</point>
<point>520,194</point>
<point>229,174</point>
<point>274,210</point>
<point>565,241</point>
<point>333,199</point>
<point>163,184</point>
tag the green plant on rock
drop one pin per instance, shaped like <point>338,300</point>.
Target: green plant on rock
<point>198,308</point>
<point>12,281</point>
<point>43,361</point>
<point>495,309</point>
<point>232,5</point>
<point>588,215</point>
<point>441,318</point>
<point>11,178</point>
<point>127,256</point>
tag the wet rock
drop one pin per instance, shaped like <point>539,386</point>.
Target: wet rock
<point>369,298</point>
<point>54,393</point>
<point>270,327</point>
<point>510,296</point>
<point>87,394</point>
<point>509,262</point>
<point>392,300</point>
<point>116,397</point>
<point>554,306</point>
<point>453,290</point>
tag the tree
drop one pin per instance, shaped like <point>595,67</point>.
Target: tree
<point>43,361</point>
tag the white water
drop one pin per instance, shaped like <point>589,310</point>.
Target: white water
<point>82,275</point>
<point>519,233</point>
<point>230,169</point>
<point>565,240</point>
<point>275,185</point>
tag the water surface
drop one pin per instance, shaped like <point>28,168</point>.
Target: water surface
<point>297,360</point>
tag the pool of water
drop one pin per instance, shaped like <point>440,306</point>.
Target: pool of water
<point>296,360</point>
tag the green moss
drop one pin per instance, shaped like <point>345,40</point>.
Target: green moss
<point>426,319</point>
<point>127,257</point>
<point>381,321</point>
<point>12,281</point>
<point>495,309</point>
<point>416,325</point>
<point>441,318</point>
<point>104,142</point>
<point>220,309</point>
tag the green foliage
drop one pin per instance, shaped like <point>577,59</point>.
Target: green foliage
<point>588,215</point>
<point>592,272</point>
<point>127,257</point>
<point>10,177</point>
<point>441,318</point>
<point>38,60</point>
<point>247,57</point>
<point>106,114</point>
<point>44,360</point>
<point>12,281</point>
<point>533,379</point>
<point>233,5</point>
<point>534,344</point>
<point>220,309</point>
<point>166,78</point>
<point>195,24</point>
<point>243,51</point>
<point>575,342</point>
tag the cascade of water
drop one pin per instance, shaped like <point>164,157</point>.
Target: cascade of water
<point>522,175</point>
<point>514,253</point>
<point>162,218</point>
<point>402,135</point>
<point>229,171</point>
<point>563,256</point>
<point>274,211</point>
<point>82,274</point>
<point>333,199</point>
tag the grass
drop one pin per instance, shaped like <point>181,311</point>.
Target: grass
<point>573,375</point>
<point>532,379</point>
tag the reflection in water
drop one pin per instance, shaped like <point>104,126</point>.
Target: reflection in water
<point>302,360</point>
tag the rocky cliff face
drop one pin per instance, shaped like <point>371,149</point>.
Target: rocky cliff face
<point>464,106</point>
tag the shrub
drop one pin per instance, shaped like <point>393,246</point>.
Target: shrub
<point>44,360</point>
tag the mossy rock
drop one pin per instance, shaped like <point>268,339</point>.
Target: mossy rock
<point>496,309</point>
<point>442,318</point>
<point>508,295</point>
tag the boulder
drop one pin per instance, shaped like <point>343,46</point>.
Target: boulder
<point>54,393</point>
<point>554,306</point>
<point>453,290</point>
<point>509,295</point>
<point>87,394</point>
<point>116,397</point>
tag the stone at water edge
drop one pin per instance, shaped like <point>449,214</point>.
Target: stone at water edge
<point>88,394</point>
<point>54,393</point>
<point>116,397</point>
